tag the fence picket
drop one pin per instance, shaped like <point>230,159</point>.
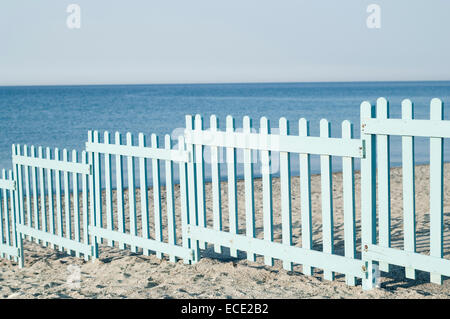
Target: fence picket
<point>144,192</point>
<point>436,190</point>
<point>192,189</point>
<point>17,170</point>
<point>267,189</point>
<point>156,195</point>
<point>98,187</point>
<point>368,191</point>
<point>18,212</point>
<point>215,175</point>
<point>108,189</point>
<point>349,202</point>
<point>285,184</point>
<point>76,205</point>
<point>10,216</point>
<point>171,226</point>
<point>119,191</point>
<point>368,177</point>
<point>131,192</point>
<point>67,198</point>
<point>58,200</point>
<point>249,194</point>
<point>42,193</point>
<point>200,171</point>
<point>231,180</point>
<point>85,181</point>
<point>35,193</point>
<point>409,207</point>
<point>305,195</point>
<point>184,200</point>
<point>92,196</point>
<point>51,211</point>
<point>383,166</point>
<point>27,187</point>
<point>327,199</point>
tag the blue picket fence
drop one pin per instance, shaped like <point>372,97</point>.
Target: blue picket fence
<point>123,194</point>
<point>52,206</point>
<point>121,227</point>
<point>285,145</point>
<point>377,127</point>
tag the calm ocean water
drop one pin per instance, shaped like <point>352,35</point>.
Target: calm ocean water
<point>60,116</point>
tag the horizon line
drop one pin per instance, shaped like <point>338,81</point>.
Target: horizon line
<point>222,83</point>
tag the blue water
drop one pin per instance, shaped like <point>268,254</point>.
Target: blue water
<point>60,116</point>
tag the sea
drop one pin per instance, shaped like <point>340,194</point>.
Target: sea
<point>60,116</point>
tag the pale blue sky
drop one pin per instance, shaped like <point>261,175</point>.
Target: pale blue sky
<point>185,41</point>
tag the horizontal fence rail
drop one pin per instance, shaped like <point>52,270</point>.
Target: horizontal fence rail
<point>279,143</point>
<point>120,191</point>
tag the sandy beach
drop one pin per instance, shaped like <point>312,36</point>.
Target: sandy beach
<point>123,274</point>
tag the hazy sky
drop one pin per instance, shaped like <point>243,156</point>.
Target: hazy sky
<point>179,41</point>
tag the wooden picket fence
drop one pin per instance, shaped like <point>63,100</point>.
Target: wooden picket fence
<point>8,245</point>
<point>51,203</point>
<point>77,204</point>
<point>376,127</point>
<point>286,145</point>
<point>124,230</point>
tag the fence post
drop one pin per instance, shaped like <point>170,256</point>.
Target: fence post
<point>368,188</point>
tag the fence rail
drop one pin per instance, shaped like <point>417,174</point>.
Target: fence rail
<point>77,203</point>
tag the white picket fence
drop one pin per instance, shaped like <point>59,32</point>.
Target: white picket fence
<point>105,198</point>
<point>52,199</point>
<point>125,230</point>
<point>377,125</point>
<point>8,244</point>
<point>286,145</point>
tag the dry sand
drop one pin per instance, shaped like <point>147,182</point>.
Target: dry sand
<point>123,274</point>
